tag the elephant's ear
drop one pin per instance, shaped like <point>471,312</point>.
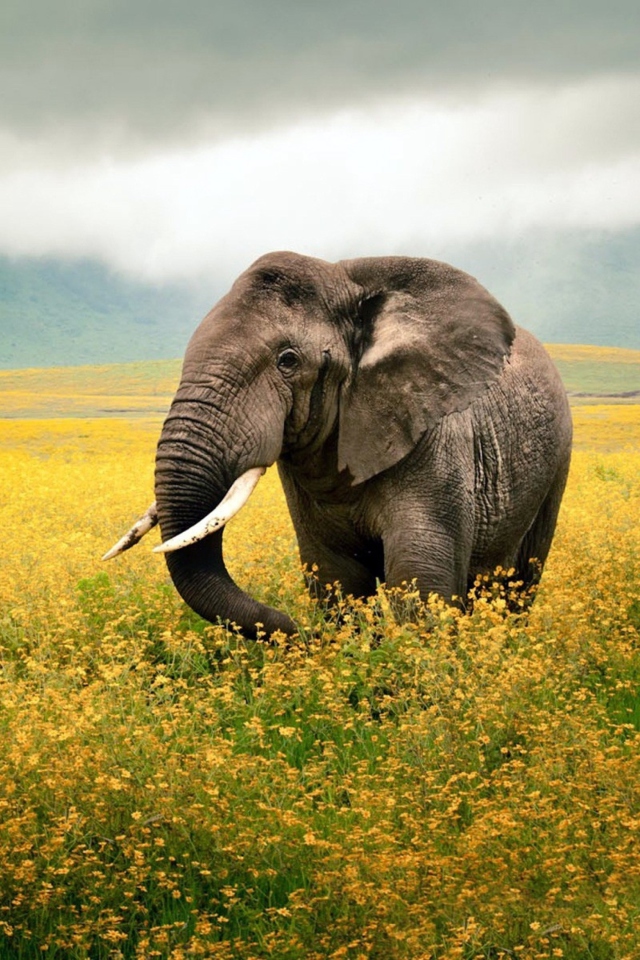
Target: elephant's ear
<point>433,341</point>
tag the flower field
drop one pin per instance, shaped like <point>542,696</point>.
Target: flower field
<point>451,787</point>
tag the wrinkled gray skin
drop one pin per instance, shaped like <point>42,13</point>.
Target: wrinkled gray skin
<point>418,433</point>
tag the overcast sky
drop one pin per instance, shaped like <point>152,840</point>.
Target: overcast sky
<point>179,139</point>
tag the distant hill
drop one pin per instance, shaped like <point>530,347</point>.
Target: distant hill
<point>581,288</point>
<point>565,288</point>
<point>55,313</point>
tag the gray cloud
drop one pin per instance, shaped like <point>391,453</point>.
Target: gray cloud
<point>141,72</point>
<point>407,177</point>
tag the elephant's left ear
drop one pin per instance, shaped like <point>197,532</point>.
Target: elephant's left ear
<point>434,340</point>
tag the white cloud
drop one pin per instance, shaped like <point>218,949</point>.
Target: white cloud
<point>410,177</point>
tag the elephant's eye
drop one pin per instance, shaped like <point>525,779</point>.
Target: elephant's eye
<point>288,361</point>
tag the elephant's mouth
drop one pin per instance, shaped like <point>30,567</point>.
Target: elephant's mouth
<point>231,504</point>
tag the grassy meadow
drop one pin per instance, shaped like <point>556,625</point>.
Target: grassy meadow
<point>451,787</point>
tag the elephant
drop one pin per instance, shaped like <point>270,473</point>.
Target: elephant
<point>420,436</point>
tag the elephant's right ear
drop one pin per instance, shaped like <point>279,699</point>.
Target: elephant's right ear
<point>432,341</point>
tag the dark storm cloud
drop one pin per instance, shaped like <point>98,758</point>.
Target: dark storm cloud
<point>154,70</point>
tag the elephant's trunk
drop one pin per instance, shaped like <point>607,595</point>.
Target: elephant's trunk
<point>192,476</point>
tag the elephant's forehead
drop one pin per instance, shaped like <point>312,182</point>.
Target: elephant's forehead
<point>252,325</point>
<point>271,289</point>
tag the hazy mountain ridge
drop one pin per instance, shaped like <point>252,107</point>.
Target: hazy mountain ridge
<point>565,289</point>
<point>581,287</point>
<point>57,313</point>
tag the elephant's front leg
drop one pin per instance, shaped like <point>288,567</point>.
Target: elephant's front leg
<point>432,550</point>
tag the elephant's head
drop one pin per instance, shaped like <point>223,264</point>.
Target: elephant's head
<point>302,356</point>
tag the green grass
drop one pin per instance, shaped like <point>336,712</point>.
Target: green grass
<point>591,373</point>
<point>111,390</point>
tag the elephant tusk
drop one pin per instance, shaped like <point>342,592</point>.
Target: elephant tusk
<point>235,499</point>
<point>146,522</point>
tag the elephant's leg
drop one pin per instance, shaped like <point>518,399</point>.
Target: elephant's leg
<point>535,545</point>
<point>433,553</point>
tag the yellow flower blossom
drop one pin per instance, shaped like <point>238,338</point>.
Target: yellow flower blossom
<point>451,786</point>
